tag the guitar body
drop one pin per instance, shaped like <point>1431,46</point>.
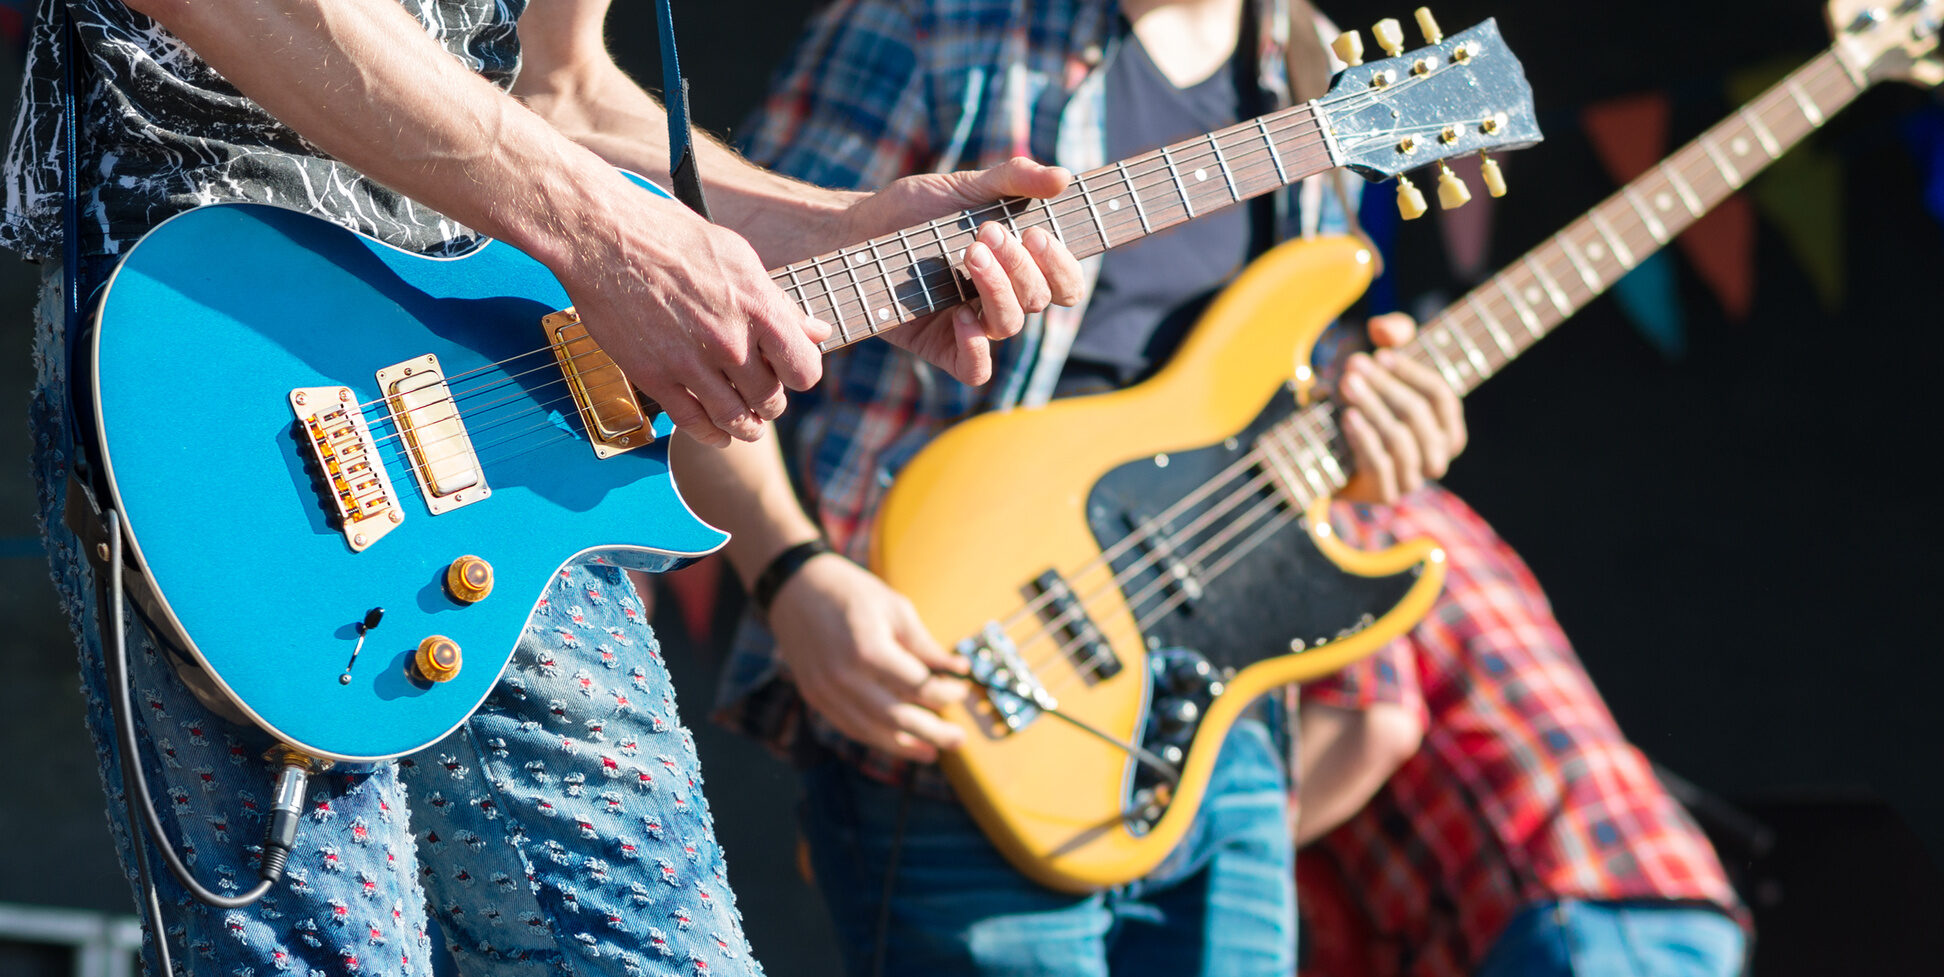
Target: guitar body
<point>976,521</point>
<point>207,328</point>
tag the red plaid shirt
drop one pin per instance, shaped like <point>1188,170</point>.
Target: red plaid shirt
<point>1523,789</point>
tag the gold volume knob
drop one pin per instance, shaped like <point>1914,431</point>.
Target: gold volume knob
<point>437,659</point>
<point>469,579</point>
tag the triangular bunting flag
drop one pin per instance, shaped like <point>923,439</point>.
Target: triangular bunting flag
<point>1801,195</point>
<point>1629,134</point>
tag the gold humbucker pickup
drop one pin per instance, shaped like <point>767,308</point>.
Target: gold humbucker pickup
<point>435,437</point>
<point>353,474</point>
<point>614,417</point>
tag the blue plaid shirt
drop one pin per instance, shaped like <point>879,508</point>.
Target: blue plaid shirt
<point>879,89</point>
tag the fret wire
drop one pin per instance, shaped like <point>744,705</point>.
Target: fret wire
<point>1282,177</point>
<point>1646,214</point>
<point>1186,204</point>
<point>1553,292</point>
<point>1438,360</point>
<point>1139,211</point>
<point>1615,246</point>
<point>958,283</point>
<point>1810,110</point>
<point>1493,328</point>
<point>1681,187</point>
<point>1059,233</point>
<point>1525,313</point>
<point>1235,193</point>
<point>911,255</point>
<point>1319,440</point>
<point>1468,344</point>
<point>1762,134</point>
<point>1727,169</point>
<point>1578,260</point>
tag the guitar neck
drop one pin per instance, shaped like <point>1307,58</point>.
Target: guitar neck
<point>868,288</point>
<point>1477,336</point>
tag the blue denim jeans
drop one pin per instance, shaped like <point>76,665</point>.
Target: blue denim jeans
<point>1222,904</point>
<point>562,829</point>
<point>1617,939</point>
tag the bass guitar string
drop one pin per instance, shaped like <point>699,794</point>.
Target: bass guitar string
<point>1419,349</point>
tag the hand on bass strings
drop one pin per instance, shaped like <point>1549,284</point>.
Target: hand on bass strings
<point>861,657</point>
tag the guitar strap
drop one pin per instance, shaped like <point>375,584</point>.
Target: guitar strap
<point>681,151</point>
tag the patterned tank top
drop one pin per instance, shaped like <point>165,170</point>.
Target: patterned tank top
<point>162,132</point>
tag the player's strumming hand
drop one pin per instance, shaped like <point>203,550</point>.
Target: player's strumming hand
<point>1403,422</point>
<point>688,312</point>
<point>861,657</point>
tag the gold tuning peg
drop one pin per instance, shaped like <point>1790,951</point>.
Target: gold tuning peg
<point>1452,192</point>
<point>1410,200</point>
<point>1389,35</point>
<point>1349,48</point>
<point>1494,177</point>
<point>1429,26</point>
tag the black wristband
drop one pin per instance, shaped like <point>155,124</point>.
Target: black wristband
<point>763,592</point>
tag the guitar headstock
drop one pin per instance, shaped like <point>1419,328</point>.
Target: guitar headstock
<point>1461,94</point>
<point>1889,39</point>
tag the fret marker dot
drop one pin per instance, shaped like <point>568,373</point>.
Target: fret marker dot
<point>884,314</point>
<point>1532,295</point>
<point>1740,146</point>
<point>1113,204</point>
<point>860,257</point>
<point>1664,201</point>
<point>1596,251</point>
<point>1200,174</point>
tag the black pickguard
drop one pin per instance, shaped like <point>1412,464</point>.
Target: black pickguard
<point>1284,589</point>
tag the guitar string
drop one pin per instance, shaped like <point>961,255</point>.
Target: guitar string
<point>1248,157</point>
<point>458,393</point>
<point>1544,256</point>
<point>454,380</point>
<point>1123,171</point>
<point>1249,160</point>
<point>1290,119</point>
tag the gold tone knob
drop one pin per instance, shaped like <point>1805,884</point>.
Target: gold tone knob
<point>1494,178</point>
<point>437,659</point>
<point>1429,25</point>
<point>1349,48</point>
<point>1452,192</point>
<point>1390,36</point>
<point>469,579</point>
<point>1410,200</point>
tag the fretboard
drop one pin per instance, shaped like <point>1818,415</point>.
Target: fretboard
<point>885,282</point>
<point>1474,338</point>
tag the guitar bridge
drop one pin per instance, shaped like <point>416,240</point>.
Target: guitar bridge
<point>615,419</point>
<point>1011,689</point>
<point>354,478</point>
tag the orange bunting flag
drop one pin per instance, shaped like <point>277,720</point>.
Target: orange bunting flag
<point>1629,134</point>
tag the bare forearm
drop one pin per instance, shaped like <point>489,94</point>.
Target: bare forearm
<point>745,489</point>
<point>571,81</point>
<point>363,81</point>
<point>1344,758</point>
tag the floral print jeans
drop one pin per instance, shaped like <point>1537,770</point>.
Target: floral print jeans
<point>561,830</point>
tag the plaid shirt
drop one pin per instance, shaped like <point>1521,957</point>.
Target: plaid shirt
<point>879,89</point>
<point>1523,789</point>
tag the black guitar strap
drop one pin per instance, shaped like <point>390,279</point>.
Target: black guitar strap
<point>681,151</point>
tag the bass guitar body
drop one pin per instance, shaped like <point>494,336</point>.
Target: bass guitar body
<point>301,425</point>
<point>1064,550</point>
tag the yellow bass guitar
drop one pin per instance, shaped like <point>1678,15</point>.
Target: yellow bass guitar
<point>1057,547</point>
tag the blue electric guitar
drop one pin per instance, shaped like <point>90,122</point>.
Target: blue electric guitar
<point>301,426</point>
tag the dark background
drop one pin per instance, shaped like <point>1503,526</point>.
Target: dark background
<point>1740,540</point>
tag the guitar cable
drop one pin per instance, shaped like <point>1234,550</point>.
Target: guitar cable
<point>286,809</point>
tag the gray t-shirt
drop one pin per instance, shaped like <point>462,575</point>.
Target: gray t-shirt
<point>162,132</point>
